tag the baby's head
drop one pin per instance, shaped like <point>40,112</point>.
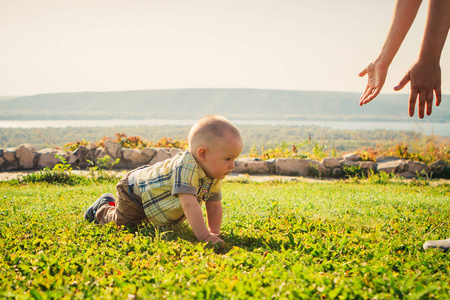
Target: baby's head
<point>215,143</point>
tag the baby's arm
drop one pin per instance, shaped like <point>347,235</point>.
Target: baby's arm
<point>194,216</point>
<point>214,211</point>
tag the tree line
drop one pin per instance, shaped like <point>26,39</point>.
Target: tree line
<point>254,136</point>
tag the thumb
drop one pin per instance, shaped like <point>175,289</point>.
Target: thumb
<point>402,82</point>
<point>362,73</point>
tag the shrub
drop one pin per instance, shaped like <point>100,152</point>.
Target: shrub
<point>60,173</point>
<point>351,171</point>
<point>98,171</point>
<point>136,142</point>
<point>72,146</point>
<point>379,178</point>
<point>313,171</point>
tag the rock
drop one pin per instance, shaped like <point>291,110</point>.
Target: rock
<point>93,154</point>
<point>27,156</point>
<point>351,157</point>
<point>92,146</point>
<point>295,167</point>
<point>149,152</point>
<point>2,160</point>
<point>367,165</point>
<point>251,165</point>
<point>10,161</point>
<point>380,159</point>
<point>101,154</point>
<point>336,172</point>
<point>436,165</point>
<point>112,149</point>
<point>10,155</point>
<point>395,166</point>
<point>79,156</point>
<point>134,158</point>
<point>161,154</point>
<point>331,162</point>
<point>439,167</point>
<point>174,151</point>
<point>47,157</point>
<point>323,171</point>
<point>416,167</point>
<point>407,175</point>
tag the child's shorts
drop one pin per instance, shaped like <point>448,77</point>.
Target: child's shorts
<point>128,209</point>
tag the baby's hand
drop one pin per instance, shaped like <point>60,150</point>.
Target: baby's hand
<point>214,239</point>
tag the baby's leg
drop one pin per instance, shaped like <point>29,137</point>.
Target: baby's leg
<point>128,209</point>
<point>105,213</point>
<point>105,200</point>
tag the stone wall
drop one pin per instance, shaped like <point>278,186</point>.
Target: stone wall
<point>334,167</point>
<point>25,157</point>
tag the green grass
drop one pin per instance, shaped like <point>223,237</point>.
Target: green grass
<point>295,240</point>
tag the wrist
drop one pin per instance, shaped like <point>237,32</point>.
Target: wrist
<point>203,236</point>
<point>429,59</point>
<point>206,238</point>
<point>383,62</point>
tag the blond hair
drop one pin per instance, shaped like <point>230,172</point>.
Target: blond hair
<point>209,129</point>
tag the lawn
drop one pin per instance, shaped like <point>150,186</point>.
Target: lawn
<point>292,240</point>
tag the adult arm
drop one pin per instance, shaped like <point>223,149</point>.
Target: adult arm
<point>194,216</point>
<point>405,12</point>
<point>425,73</point>
<point>214,212</point>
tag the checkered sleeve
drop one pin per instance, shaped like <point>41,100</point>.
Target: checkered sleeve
<point>216,193</point>
<point>185,180</point>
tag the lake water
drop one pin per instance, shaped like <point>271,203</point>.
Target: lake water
<point>442,129</point>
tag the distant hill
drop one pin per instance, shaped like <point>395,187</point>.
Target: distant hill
<point>194,103</point>
<point>4,98</point>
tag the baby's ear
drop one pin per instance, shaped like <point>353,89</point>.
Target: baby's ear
<point>201,153</point>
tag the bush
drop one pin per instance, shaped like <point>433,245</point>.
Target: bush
<point>351,171</point>
<point>60,173</point>
<point>427,150</point>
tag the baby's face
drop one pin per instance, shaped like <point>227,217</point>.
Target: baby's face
<point>221,156</point>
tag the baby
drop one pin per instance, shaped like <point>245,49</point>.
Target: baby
<point>169,191</point>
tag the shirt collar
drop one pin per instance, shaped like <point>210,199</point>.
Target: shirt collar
<point>201,173</point>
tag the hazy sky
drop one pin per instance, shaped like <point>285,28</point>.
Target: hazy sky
<point>111,45</point>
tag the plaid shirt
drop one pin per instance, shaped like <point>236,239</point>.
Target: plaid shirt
<point>159,185</point>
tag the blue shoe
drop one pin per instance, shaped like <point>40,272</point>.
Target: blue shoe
<point>107,198</point>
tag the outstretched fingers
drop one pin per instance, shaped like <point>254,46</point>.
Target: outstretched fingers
<point>429,102</point>
<point>369,95</point>
<point>412,102</point>
<point>422,102</point>
<point>364,95</point>
<point>438,95</point>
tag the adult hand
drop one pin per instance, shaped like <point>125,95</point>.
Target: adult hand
<point>376,72</point>
<point>425,80</point>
